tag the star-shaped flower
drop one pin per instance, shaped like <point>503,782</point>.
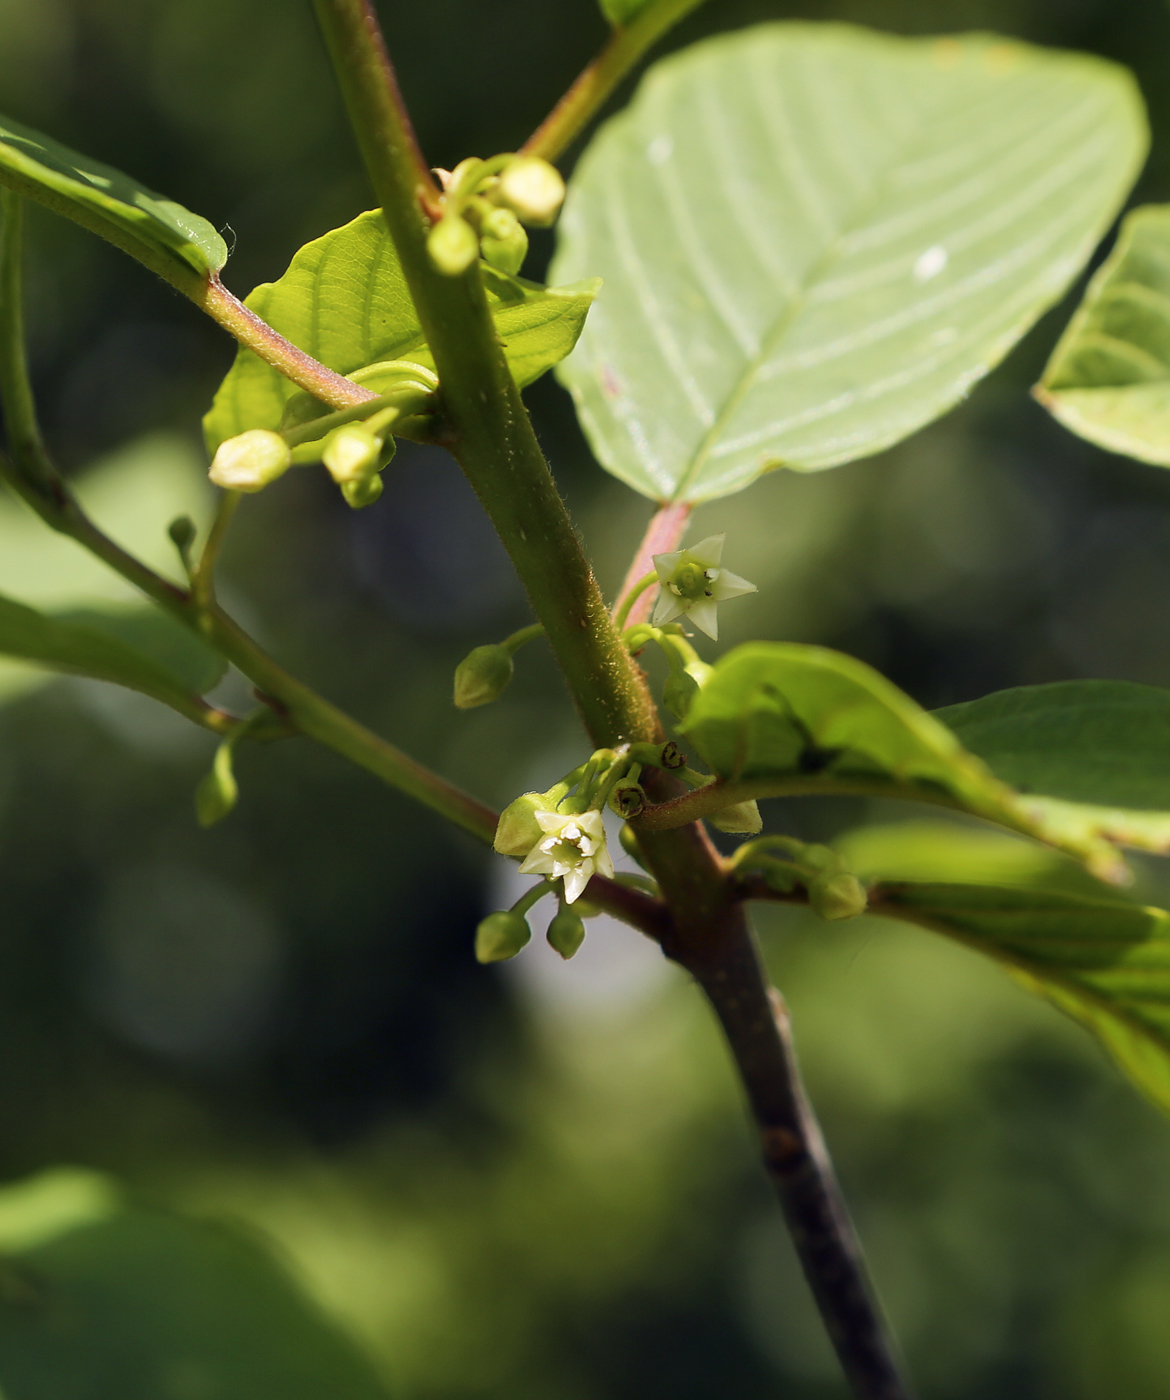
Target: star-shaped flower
<point>572,847</point>
<point>692,582</point>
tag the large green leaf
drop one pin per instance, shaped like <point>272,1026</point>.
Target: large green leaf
<point>99,652</point>
<point>1098,956</point>
<point>815,239</point>
<point>345,301</point>
<point>1109,377</point>
<point>776,718</point>
<point>105,200</point>
<point>136,1305</point>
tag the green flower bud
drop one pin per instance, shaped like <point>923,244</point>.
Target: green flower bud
<point>217,794</point>
<point>837,896</point>
<point>182,532</point>
<point>741,820</point>
<point>363,492</point>
<point>501,936</point>
<point>250,461</point>
<point>482,676</point>
<point>351,453</point>
<point>678,692</point>
<point>532,189</point>
<point>502,241</point>
<point>452,245</point>
<point>566,933</point>
<point>517,830</point>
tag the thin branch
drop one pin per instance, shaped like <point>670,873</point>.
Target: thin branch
<point>663,535</point>
<point>756,1023</point>
<point>203,575</point>
<point>584,99</point>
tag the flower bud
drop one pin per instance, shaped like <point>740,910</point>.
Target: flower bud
<point>218,793</point>
<point>482,676</point>
<point>363,492</point>
<point>518,830</point>
<point>182,532</point>
<point>501,936</point>
<point>678,692</point>
<point>351,453</point>
<point>502,241</point>
<point>452,245</point>
<point>837,896</point>
<point>532,189</point>
<point>741,820</point>
<point>250,461</point>
<point>566,933</point>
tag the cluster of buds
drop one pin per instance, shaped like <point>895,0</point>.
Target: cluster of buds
<point>486,204</point>
<point>355,444</point>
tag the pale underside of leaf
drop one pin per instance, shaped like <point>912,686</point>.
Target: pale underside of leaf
<point>1096,955</point>
<point>815,239</point>
<point>344,300</point>
<point>43,169</point>
<point>1109,377</point>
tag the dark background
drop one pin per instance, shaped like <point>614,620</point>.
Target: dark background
<point>536,1181</point>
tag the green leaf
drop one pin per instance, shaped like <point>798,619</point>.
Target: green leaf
<point>95,651</point>
<point>622,11</point>
<point>1096,955</point>
<point>108,202</point>
<point>785,718</point>
<point>815,239</point>
<point>1109,377</point>
<point>345,301</point>
<point>144,1306</point>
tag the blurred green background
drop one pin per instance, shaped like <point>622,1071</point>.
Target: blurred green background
<point>535,1180</point>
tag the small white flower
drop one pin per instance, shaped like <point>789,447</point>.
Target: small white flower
<point>572,847</point>
<point>692,583</point>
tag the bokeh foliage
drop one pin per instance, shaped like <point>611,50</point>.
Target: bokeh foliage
<point>537,1183</point>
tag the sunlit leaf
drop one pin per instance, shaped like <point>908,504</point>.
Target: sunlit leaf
<point>1098,956</point>
<point>788,718</point>
<point>105,200</point>
<point>132,1303</point>
<point>344,300</point>
<point>815,239</point>
<point>1109,377</point>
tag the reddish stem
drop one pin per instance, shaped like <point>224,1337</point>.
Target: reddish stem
<point>665,531</point>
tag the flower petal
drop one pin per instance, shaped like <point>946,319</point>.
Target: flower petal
<point>729,585</point>
<point>603,863</point>
<point>707,552</point>
<point>667,608</point>
<point>536,862</point>
<point>576,880</point>
<point>705,615</point>
<point>666,564</point>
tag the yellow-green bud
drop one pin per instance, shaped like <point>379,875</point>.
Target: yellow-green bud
<point>452,245</point>
<point>351,453</point>
<point>363,492</point>
<point>741,820</point>
<point>482,676</point>
<point>501,936</point>
<point>217,794</point>
<point>502,241</point>
<point>566,933</point>
<point>182,532</point>
<point>517,830</point>
<point>678,693</point>
<point>532,189</point>
<point>837,896</point>
<point>250,461</point>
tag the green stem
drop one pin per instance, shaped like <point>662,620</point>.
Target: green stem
<point>203,577</point>
<point>20,419</point>
<point>623,611</point>
<point>491,435</point>
<point>581,103</point>
<point>521,638</point>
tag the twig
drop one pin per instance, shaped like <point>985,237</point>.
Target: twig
<point>756,1023</point>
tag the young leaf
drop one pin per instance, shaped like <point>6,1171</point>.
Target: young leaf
<point>1099,957</point>
<point>345,301</point>
<point>144,1304</point>
<point>815,239</point>
<point>1109,377</point>
<point>90,651</point>
<point>781,718</point>
<point>109,203</point>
